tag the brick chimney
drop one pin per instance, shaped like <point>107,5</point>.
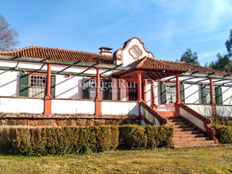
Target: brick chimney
<point>105,50</point>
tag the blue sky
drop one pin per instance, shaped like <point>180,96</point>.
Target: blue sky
<point>167,27</point>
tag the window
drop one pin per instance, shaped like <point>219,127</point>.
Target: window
<point>168,93</point>
<point>133,91</point>
<point>218,95</point>
<point>171,93</point>
<point>35,85</point>
<point>89,89</point>
<point>205,94</point>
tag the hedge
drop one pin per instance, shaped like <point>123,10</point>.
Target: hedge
<point>78,140</point>
<point>224,133</point>
<point>148,137</point>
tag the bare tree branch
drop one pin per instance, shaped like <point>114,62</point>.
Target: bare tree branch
<point>7,35</point>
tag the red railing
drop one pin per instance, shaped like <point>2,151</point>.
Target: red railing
<point>206,122</point>
<point>156,115</point>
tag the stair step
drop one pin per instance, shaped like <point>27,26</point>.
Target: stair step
<point>193,145</point>
<point>185,128</point>
<point>189,135</point>
<point>185,134</point>
<point>188,139</point>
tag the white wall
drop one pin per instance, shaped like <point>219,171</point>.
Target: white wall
<point>9,83</point>
<point>192,93</point>
<point>120,108</point>
<point>73,107</point>
<point>224,111</point>
<point>157,93</point>
<point>18,105</point>
<point>148,92</point>
<point>192,119</point>
<point>227,95</point>
<point>68,87</point>
<point>205,110</point>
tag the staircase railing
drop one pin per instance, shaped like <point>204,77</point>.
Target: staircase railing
<point>150,115</point>
<point>197,119</point>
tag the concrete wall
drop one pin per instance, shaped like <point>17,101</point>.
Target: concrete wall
<point>20,105</point>
<point>73,107</point>
<point>205,110</point>
<point>224,111</point>
<point>120,108</point>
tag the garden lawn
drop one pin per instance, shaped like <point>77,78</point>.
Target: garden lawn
<point>196,160</point>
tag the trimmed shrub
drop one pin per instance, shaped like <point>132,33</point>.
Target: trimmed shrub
<point>79,140</point>
<point>59,140</point>
<point>158,136</point>
<point>224,133</point>
<point>148,137</point>
<point>132,137</point>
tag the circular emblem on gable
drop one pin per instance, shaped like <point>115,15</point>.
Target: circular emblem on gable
<point>135,52</point>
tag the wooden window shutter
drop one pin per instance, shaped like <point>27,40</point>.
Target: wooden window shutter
<point>23,85</point>
<point>203,94</point>
<point>85,88</point>
<point>53,86</point>
<point>163,93</point>
<point>218,95</point>
<point>107,92</point>
<point>182,95</point>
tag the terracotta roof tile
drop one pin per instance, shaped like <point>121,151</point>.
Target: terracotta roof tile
<point>194,68</point>
<point>59,54</point>
<point>158,65</point>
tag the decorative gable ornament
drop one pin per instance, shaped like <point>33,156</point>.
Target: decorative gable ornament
<point>132,50</point>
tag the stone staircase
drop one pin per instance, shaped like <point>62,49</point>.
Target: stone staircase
<point>186,134</point>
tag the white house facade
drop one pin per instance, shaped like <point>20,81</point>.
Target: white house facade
<point>50,82</point>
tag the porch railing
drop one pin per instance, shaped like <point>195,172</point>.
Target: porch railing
<point>198,120</point>
<point>150,115</point>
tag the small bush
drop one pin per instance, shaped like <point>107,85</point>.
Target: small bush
<point>224,133</point>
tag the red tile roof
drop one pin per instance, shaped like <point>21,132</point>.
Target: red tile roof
<point>59,54</point>
<point>74,56</point>
<point>194,68</point>
<point>151,64</point>
<point>155,65</point>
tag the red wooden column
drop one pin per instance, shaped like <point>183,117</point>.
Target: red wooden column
<point>139,80</point>
<point>212,97</point>
<point>177,110</point>
<point>48,98</point>
<point>98,94</point>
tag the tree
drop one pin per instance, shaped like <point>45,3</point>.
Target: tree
<point>229,45</point>
<point>190,57</point>
<point>7,35</point>
<point>223,63</point>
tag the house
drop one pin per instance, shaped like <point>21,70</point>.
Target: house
<point>39,83</point>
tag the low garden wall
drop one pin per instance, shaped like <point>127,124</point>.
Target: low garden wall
<point>77,140</point>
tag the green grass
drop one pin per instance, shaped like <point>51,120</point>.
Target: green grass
<point>195,160</point>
